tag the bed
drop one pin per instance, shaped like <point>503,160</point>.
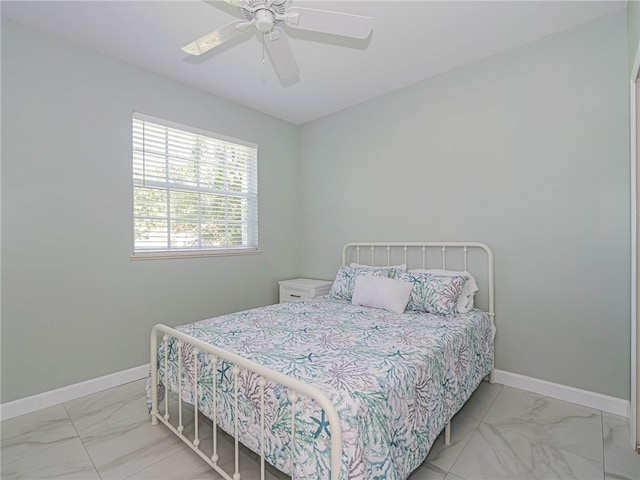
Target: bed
<point>355,385</point>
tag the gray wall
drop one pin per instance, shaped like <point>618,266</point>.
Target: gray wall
<point>74,306</point>
<point>527,151</point>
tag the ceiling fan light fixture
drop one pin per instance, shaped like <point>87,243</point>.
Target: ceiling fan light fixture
<point>264,20</point>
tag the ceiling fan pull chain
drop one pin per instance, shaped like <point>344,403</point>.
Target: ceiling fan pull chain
<point>263,46</point>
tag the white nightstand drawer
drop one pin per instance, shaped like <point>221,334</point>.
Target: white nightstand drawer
<point>293,295</point>
<point>299,289</point>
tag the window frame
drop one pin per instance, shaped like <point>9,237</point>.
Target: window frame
<point>252,222</point>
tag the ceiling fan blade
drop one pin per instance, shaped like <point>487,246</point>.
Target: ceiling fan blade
<point>324,21</point>
<point>235,3</point>
<point>216,38</point>
<point>281,54</point>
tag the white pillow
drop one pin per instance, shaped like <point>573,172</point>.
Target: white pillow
<point>382,292</point>
<point>465,300</point>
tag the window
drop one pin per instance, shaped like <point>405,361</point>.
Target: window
<point>194,192</point>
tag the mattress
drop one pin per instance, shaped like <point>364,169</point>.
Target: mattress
<point>396,380</point>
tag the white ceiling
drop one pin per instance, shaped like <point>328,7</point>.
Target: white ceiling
<point>411,41</point>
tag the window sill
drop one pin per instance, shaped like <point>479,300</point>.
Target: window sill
<point>193,254</point>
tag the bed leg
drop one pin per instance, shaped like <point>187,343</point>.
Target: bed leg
<point>492,376</point>
<point>154,376</point>
<point>447,434</point>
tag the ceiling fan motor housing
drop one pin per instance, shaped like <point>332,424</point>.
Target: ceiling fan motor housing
<point>264,13</point>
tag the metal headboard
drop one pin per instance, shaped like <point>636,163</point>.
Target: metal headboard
<point>448,255</point>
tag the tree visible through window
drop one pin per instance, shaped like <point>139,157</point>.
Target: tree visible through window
<point>192,190</point>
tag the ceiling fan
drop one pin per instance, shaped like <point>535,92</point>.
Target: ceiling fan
<point>268,16</point>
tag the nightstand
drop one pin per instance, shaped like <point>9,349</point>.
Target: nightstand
<point>298,289</point>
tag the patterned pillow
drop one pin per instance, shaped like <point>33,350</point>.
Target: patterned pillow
<point>345,282</point>
<point>433,293</point>
<point>466,298</point>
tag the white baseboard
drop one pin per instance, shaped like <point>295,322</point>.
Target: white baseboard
<point>71,392</point>
<point>614,405</point>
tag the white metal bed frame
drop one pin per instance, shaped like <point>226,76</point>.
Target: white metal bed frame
<point>296,387</point>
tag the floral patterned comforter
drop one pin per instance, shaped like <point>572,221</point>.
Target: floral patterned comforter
<point>395,380</point>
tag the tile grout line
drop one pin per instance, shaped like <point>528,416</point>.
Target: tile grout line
<point>82,442</point>
<point>492,403</point>
<point>599,412</point>
<point>475,430</point>
<point>44,449</point>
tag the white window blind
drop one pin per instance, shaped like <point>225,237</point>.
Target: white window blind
<point>192,190</point>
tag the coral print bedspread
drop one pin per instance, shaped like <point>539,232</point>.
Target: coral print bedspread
<point>395,379</point>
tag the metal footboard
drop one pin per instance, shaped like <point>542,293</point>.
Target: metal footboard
<point>295,387</point>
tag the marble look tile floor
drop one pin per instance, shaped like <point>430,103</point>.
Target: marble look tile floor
<point>501,433</point>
